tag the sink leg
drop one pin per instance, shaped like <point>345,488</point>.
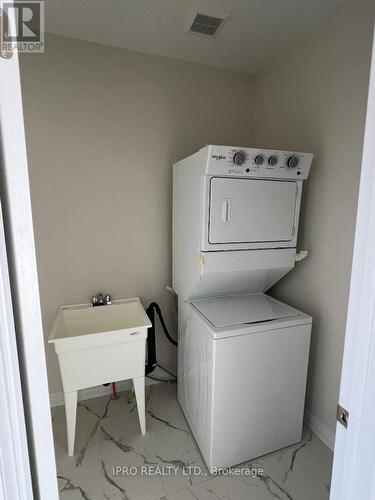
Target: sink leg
<point>139,389</point>
<point>71,415</point>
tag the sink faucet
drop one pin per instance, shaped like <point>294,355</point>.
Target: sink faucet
<point>101,300</point>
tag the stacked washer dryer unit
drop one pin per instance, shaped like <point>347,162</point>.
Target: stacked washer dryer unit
<point>243,355</point>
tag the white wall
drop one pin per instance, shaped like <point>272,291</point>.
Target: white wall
<point>103,128</point>
<point>314,100</point>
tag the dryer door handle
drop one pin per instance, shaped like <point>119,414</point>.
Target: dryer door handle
<point>225,210</point>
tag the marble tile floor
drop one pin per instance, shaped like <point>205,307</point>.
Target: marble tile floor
<point>110,456</point>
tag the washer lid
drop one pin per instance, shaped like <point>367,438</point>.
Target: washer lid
<point>242,309</point>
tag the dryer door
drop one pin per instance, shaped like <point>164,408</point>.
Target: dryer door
<point>253,211</point>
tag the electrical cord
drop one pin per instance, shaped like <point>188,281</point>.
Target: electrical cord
<point>168,380</point>
<point>151,336</point>
<point>172,380</point>
<point>156,307</point>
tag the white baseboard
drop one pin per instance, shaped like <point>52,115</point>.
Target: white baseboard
<point>57,399</point>
<point>320,430</point>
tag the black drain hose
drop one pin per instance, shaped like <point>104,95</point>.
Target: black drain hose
<point>151,338</point>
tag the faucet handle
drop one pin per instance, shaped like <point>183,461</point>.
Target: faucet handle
<point>100,300</point>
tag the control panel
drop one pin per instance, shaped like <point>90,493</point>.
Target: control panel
<point>258,163</point>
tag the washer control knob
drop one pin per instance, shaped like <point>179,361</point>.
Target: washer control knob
<point>292,162</point>
<point>272,160</point>
<point>259,160</point>
<point>239,158</point>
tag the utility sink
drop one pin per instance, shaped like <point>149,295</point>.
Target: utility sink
<point>79,326</point>
<point>97,345</point>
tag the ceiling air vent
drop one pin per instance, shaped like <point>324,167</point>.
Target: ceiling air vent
<point>206,24</point>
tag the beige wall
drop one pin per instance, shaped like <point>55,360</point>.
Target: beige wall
<point>314,100</point>
<point>103,128</point>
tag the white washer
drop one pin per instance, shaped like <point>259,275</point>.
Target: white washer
<point>242,375</point>
<point>242,355</point>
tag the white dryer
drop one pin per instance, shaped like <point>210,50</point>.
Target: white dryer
<point>243,356</point>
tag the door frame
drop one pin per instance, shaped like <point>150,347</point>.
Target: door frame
<point>354,454</point>
<point>15,476</point>
<point>19,237</point>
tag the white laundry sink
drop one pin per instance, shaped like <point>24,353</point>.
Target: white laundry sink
<point>80,326</point>
<point>97,345</point>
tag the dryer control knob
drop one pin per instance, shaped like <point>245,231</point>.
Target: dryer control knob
<point>259,160</point>
<point>239,158</point>
<point>292,162</point>
<point>272,160</point>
